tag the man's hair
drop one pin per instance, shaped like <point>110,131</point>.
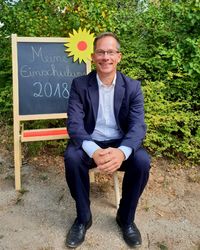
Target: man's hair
<point>105,34</point>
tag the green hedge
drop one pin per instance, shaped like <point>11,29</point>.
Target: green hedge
<point>160,45</point>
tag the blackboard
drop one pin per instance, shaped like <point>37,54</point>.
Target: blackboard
<point>45,74</point>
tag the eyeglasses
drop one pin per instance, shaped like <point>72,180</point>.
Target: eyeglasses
<point>108,52</point>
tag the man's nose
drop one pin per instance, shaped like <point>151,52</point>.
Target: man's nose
<point>105,56</point>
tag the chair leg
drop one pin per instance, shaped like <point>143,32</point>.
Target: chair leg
<point>116,186</point>
<point>92,177</point>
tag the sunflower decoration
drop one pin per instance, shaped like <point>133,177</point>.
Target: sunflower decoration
<point>80,45</point>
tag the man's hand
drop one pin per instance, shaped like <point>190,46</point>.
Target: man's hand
<point>98,159</point>
<point>108,160</point>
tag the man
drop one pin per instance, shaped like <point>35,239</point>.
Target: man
<point>106,127</point>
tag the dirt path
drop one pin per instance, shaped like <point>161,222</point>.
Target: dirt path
<point>38,217</point>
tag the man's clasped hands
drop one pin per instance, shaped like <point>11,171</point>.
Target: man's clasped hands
<point>108,160</point>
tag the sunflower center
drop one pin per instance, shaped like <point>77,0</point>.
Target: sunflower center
<point>82,45</point>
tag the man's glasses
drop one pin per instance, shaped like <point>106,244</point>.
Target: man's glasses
<point>102,53</point>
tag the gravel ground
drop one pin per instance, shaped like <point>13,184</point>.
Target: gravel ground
<point>38,217</point>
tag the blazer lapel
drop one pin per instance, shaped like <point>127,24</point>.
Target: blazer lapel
<point>94,94</point>
<point>118,96</point>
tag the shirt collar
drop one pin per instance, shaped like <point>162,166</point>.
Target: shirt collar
<point>101,84</point>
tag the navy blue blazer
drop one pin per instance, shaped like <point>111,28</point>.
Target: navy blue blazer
<point>128,109</point>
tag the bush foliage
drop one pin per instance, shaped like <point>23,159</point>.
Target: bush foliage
<point>161,47</point>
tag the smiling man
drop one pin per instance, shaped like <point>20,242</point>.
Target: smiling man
<point>106,128</point>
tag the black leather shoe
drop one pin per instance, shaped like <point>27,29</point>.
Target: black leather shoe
<point>130,232</point>
<point>76,234</point>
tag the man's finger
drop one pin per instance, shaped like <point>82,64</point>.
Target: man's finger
<point>106,151</point>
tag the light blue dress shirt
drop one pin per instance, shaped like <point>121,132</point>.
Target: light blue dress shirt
<point>106,127</point>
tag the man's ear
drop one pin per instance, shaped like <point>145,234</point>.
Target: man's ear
<point>120,58</point>
<point>92,56</point>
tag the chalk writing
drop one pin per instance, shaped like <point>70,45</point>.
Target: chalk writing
<point>48,90</point>
<point>37,53</point>
<point>27,71</point>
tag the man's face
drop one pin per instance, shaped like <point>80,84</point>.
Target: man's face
<point>106,56</point>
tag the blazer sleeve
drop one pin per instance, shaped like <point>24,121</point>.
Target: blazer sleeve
<point>76,114</point>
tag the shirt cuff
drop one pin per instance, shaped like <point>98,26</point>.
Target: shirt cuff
<point>126,150</point>
<point>89,147</point>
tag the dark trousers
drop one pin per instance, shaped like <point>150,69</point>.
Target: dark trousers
<point>136,173</point>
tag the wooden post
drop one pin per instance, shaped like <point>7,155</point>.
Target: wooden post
<point>16,125</point>
<point>116,187</point>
